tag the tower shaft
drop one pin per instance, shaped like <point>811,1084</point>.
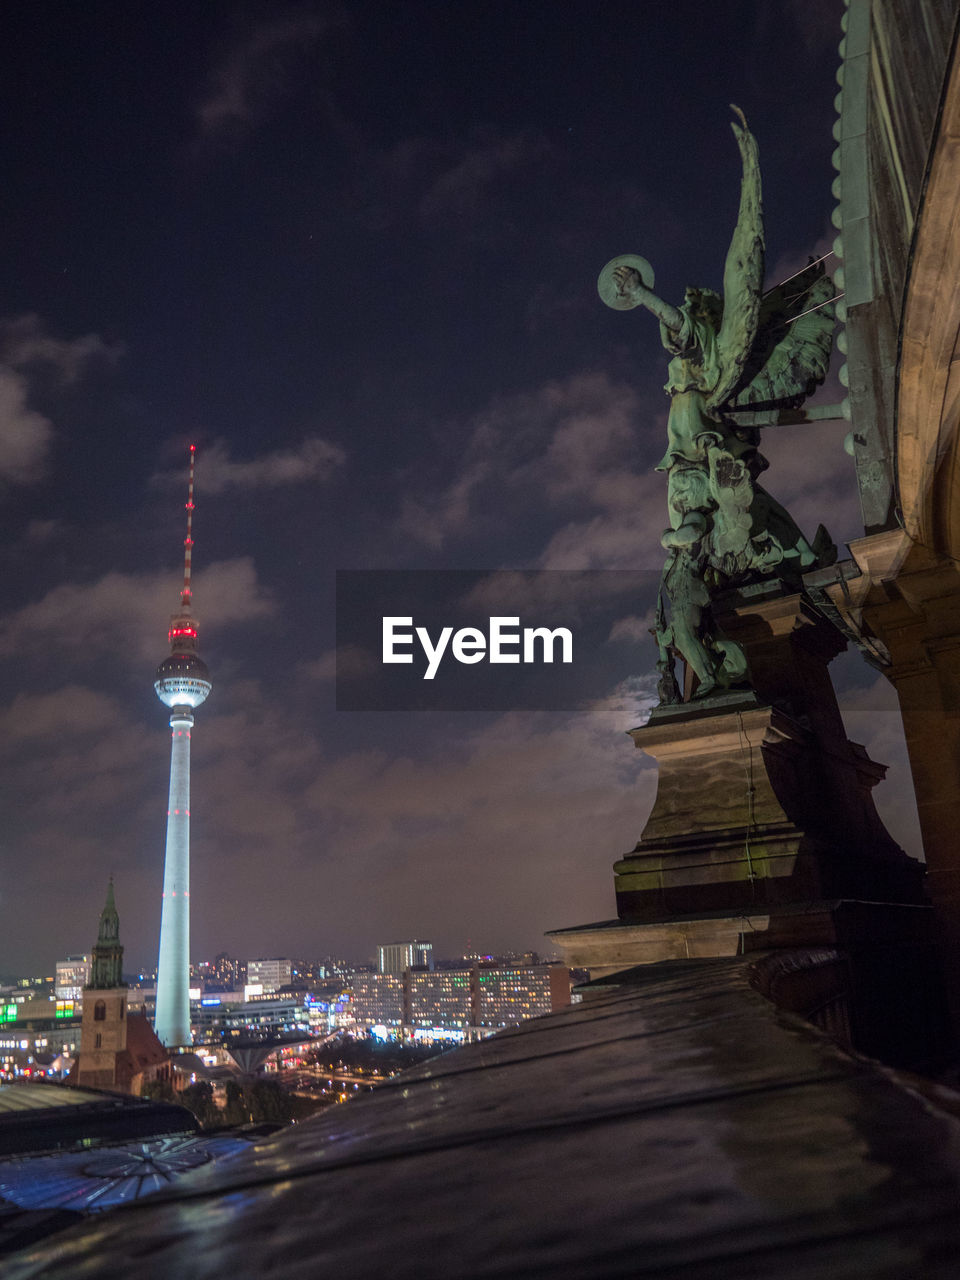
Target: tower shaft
<point>172,1018</point>
<point>182,684</point>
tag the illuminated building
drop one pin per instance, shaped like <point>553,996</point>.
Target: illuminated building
<point>220,974</point>
<point>182,683</point>
<point>73,974</point>
<point>461,1003</point>
<point>377,1000</point>
<point>396,957</point>
<point>226,1016</point>
<point>443,999</point>
<point>39,1035</point>
<point>270,974</point>
<point>507,995</point>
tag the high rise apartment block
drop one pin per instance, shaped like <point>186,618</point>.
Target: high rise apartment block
<point>380,998</point>
<point>270,974</point>
<point>462,1003</point>
<point>505,996</point>
<point>396,957</point>
<point>445,998</point>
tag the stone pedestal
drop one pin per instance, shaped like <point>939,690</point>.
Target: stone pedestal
<point>609,946</point>
<point>763,812</point>
<point>762,801</point>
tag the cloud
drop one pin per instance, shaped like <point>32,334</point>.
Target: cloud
<point>519,802</point>
<point>25,435</point>
<point>255,71</point>
<point>69,712</point>
<point>25,344</point>
<point>468,184</point>
<point>314,459</point>
<point>435,520</point>
<point>627,539</point>
<point>75,773</point>
<point>40,532</point>
<point>26,352</point>
<point>571,443</point>
<point>346,662</point>
<point>462,186</point>
<point>131,609</point>
<point>632,628</point>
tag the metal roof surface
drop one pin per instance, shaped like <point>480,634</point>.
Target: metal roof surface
<point>38,1096</point>
<point>676,1126</point>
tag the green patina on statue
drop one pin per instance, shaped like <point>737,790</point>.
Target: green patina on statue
<point>731,357</point>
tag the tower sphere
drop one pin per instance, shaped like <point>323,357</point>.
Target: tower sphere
<point>182,680</point>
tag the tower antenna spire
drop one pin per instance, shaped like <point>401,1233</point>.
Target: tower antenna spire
<point>183,628</point>
<point>187,593</point>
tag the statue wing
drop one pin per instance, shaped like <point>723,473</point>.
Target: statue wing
<point>742,273</point>
<point>791,352</point>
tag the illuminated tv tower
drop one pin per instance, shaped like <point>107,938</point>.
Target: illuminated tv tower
<point>182,683</point>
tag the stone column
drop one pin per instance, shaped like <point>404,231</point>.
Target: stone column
<point>910,599</point>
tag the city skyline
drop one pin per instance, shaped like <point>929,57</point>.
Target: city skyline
<point>343,963</point>
<point>354,259</point>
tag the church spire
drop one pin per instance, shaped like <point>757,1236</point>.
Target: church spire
<point>107,969</point>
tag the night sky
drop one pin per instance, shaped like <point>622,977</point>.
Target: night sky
<point>351,251</point>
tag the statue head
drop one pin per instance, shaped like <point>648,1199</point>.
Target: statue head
<point>688,489</point>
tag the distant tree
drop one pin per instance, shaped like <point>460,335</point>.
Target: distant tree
<point>269,1103</point>
<point>236,1110</point>
<point>158,1091</point>
<point>198,1098</point>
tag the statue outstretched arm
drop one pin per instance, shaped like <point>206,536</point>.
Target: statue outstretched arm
<point>743,271</point>
<point>627,282</point>
<point>630,286</point>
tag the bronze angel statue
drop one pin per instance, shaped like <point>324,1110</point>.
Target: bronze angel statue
<point>733,357</point>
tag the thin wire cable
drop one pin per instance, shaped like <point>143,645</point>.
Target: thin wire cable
<point>816,262</point>
<point>809,310</point>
